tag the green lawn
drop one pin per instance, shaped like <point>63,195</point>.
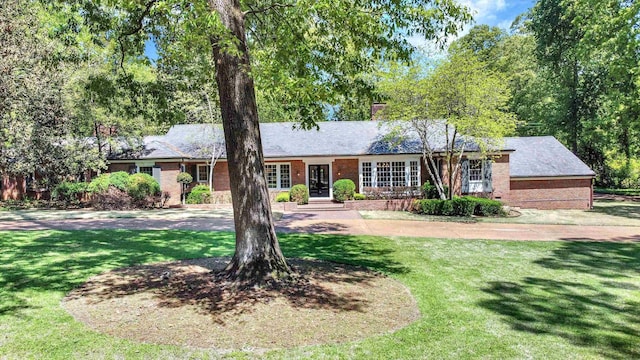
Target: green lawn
<point>479,299</point>
<point>629,192</point>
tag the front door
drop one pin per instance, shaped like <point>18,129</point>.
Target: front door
<point>319,180</point>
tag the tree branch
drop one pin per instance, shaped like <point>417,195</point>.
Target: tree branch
<point>138,24</point>
<point>265,9</point>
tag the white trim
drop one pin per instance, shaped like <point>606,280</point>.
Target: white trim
<point>319,161</point>
<point>584,177</point>
<point>198,173</point>
<point>390,159</point>
<point>278,174</point>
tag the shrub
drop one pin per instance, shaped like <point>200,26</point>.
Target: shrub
<point>68,191</point>
<point>283,197</point>
<point>111,199</point>
<point>119,180</point>
<point>299,194</point>
<point>184,178</point>
<point>463,206</point>
<point>343,189</point>
<point>358,196</point>
<point>430,191</point>
<point>200,194</point>
<point>141,186</point>
<point>487,207</point>
<point>99,185</point>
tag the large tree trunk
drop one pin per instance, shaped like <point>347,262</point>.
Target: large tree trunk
<point>258,257</point>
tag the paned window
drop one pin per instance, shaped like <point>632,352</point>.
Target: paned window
<point>398,176</point>
<point>390,174</point>
<point>146,170</point>
<point>366,174</point>
<point>383,170</point>
<point>475,170</point>
<point>414,176</point>
<point>278,176</point>
<point>203,173</point>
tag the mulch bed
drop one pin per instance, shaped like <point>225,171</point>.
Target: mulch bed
<point>183,303</point>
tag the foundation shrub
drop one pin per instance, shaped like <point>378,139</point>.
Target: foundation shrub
<point>200,194</point>
<point>141,186</point>
<point>343,189</point>
<point>283,197</point>
<point>358,196</point>
<point>299,194</point>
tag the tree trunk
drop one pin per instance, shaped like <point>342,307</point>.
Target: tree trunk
<point>257,257</point>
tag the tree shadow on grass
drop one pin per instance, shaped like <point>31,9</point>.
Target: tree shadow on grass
<point>63,260</point>
<point>619,210</point>
<point>597,311</point>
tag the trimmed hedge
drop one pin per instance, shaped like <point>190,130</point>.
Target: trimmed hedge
<point>460,206</point>
<point>200,194</point>
<point>299,194</point>
<point>283,197</point>
<point>120,180</point>
<point>358,196</point>
<point>343,190</point>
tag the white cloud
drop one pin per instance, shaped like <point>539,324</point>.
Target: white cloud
<point>484,11</point>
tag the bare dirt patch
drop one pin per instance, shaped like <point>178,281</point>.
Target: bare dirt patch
<point>182,303</point>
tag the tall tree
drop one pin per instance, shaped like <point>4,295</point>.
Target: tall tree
<point>309,48</point>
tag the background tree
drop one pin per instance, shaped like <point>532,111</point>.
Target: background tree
<point>459,106</point>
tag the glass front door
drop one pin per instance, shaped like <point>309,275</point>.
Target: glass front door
<point>319,180</point>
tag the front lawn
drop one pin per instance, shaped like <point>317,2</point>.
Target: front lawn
<point>479,299</point>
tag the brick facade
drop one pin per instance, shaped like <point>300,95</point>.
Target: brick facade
<point>11,188</point>
<point>551,194</point>
<point>500,178</point>
<point>346,169</point>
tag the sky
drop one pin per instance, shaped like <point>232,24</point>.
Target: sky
<point>500,13</point>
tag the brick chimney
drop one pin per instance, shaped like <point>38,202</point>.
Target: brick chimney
<point>375,107</point>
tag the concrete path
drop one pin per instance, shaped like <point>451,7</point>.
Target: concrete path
<point>350,223</point>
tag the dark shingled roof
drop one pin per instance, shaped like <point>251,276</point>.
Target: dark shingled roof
<point>531,157</point>
<point>543,156</point>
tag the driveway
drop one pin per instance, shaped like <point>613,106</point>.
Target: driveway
<point>344,222</point>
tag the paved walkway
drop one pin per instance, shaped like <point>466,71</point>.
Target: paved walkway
<point>351,223</point>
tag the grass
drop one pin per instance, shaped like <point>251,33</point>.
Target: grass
<point>629,192</point>
<point>604,213</point>
<point>479,299</point>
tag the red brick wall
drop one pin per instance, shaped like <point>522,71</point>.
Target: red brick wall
<point>298,172</point>
<point>221,176</point>
<point>501,178</point>
<point>551,194</point>
<point>168,181</point>
<point>12,188</point>
<point>348,169</point>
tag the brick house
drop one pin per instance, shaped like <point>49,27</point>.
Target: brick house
<point>529,172</point>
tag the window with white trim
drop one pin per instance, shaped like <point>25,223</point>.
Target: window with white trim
<point>475,175</point>
<point>278,175</point>
<point>390,174</point>
<point>146,170</point>
<point>203,173</point>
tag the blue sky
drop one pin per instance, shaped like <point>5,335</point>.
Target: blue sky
<point>500,13</point>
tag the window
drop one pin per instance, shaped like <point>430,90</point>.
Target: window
<point>146,170</point>
<point>203,173</point>
<point>278,175</point>
<point>475,176</point>
<point>398,176</point>
<point>390,174</point>
<point>414,176</point>
<point>366,174</point>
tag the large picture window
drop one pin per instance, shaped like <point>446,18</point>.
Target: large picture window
<point>278,175</point>
<point>390,174</point>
